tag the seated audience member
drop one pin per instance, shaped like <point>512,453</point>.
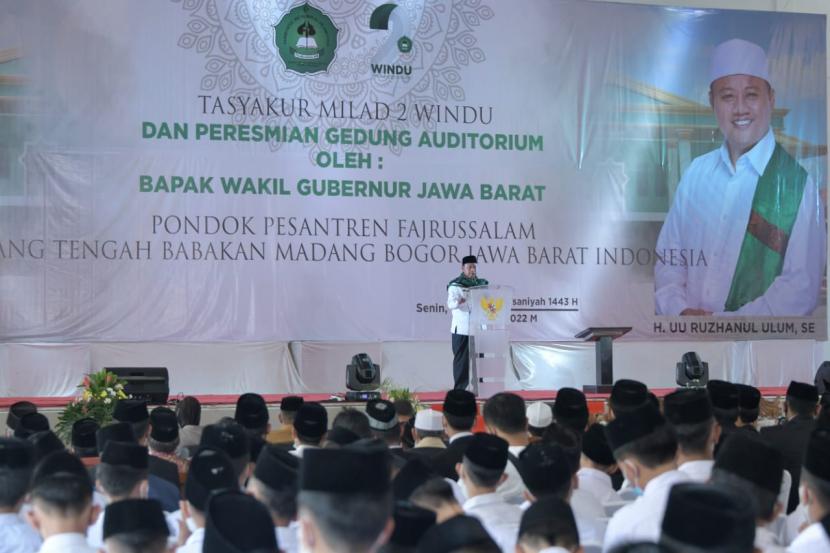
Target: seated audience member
<point>791,437</point>
<point>31,423</point>
<point>252,413</point>
<point>135,526</point>
<point>345,501</point>
<point>504,416</point>
<point>310,425</point>
<point>134,412</point>
<point>571,410</point>
<point>702,517</point>
<point>16,463</point>
<point>547,526</point>
<point>815,495</point>
<point>596,465</point>
<point>627,395</point>
<point>189,416</point>
<point>274,483</point>
<point>749,403</point>
<point>753,469</point>
<point>210,471</point>
<point>163,440</point>
<point>289,405</point>
<point>436,495</point>
<point>236,522</point>
<point>481,471</point>
<point>83,438</point>
<point>427,433</point>
<point>459,417</point>
<point>383,422</point>
<point>411,523</point>
<point>115,432</point>
<point>539,416</point>
<point>690,414</point>
<point>354,420</point>
<point>644,446</point>
<point>16,412</point>
<point>724,398</point>
<point>414,473</point>
<point>44,443</point>
<point>121,474</point>
<point>339,437</point>
<point>228,436</point>
<point>62,509</point>
<point>458,534</point>
<point>404,410</point>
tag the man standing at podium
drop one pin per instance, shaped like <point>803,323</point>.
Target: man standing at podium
<point>457,296</point>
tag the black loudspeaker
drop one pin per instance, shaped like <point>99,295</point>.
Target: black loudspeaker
<point>148,383</point>
<point>362,374</point>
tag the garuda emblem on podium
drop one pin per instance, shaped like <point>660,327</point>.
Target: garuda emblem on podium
<point>492,306</point>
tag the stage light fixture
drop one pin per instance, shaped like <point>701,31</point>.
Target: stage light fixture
<point>691,371</point>
<point>362,378</point>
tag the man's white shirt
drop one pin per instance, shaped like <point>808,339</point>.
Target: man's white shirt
<point>66,543</point>
<point>194,542</point>
<point>16,536</point>
<point>766,541</point>
<point>513,488</point>
<point>589,515</point>
<point>641,519</point>
<point>813,539</point>
<point>598,484</point>
<point>499,518</point>
<point>710,214</point>
<point>697,471</point>
<point>460,311</point>
<point>288,537</point>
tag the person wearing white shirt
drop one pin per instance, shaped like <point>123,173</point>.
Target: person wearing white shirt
<point>644,446</point>
<point>754,469</point>
<point>133,525</point>
<point>62,525</point>
<point>457,296</point>
<point>748,207</point>
<point>210,470</point>
<point>16,458</point>
<point>274,484</point>
<point>310,425</point>
<point>815,495</point>
<point>481,471</point>
<point>596,464</point>
<point>548,526</point>
<point>690,413</point>
<point>505,417</point>
<point>459,416</point>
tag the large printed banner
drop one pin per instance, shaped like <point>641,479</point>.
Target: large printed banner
<point>208,170</point>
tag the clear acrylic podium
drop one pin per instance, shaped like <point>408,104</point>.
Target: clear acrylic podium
<point>489,337</point>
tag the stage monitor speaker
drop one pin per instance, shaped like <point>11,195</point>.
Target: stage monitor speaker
<point>148,383</point>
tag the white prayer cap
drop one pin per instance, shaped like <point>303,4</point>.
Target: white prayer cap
<point>738,57</point>
<point>429,420</point>
<point>539,414</point>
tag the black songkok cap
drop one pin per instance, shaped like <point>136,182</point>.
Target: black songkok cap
<point>628,393</point>
<point>460,403</point>
<point>456,533</point>
<point>544,467</point>
<point>31,423</point>
<point>83,433</point>
<point>236,522</point>
<point>16,412</point>
<point>469,259</point>
<point>487,451</point>
<point>544,513</point>
<point>277,468</point>
<point>800,390</point>
<point>125,454</point>
<point>411,476</point>
<point>60,463</point>
<point>633,425</point>
<point>45,443</point>
<point>311,420</point>
<point>749,397</point>
<point>164,426</point>
<point>382,415</point>
<point>570,404</point>
<point>728,519</point>
<point>345,470</point>
<point>131,516</point>
<point>723,394</point>
<point>291,403</point>
<point>118,431</point>
<point>817,458</point>
<point>595,446</point>
<point>16,454</point>
<point>411,523</point>
<point>341,436</point>
<point>688,406</point>
<point>210,470</point>
<point>251,411</point>
<point>747,456</point>
<point>130,410</point>
<point>230,437</point>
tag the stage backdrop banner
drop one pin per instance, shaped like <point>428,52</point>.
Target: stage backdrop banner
<point>260,170</point>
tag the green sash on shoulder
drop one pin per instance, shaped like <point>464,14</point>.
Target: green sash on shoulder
<point>774,209</point>
<point>465,282</point>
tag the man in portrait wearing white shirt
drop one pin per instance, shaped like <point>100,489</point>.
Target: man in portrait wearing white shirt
<point>457,303</point>
<point>748,207</point>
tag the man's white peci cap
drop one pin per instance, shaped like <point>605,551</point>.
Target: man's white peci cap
<point>539,414</point>
<point>738,57</point>
<point>429,420</point>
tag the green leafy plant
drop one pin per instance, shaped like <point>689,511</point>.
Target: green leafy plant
<point>392,393</point>
<point>96,400</point>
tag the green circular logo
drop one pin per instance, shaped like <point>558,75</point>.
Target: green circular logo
<point>306,39</point>
<point>404,45</point>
